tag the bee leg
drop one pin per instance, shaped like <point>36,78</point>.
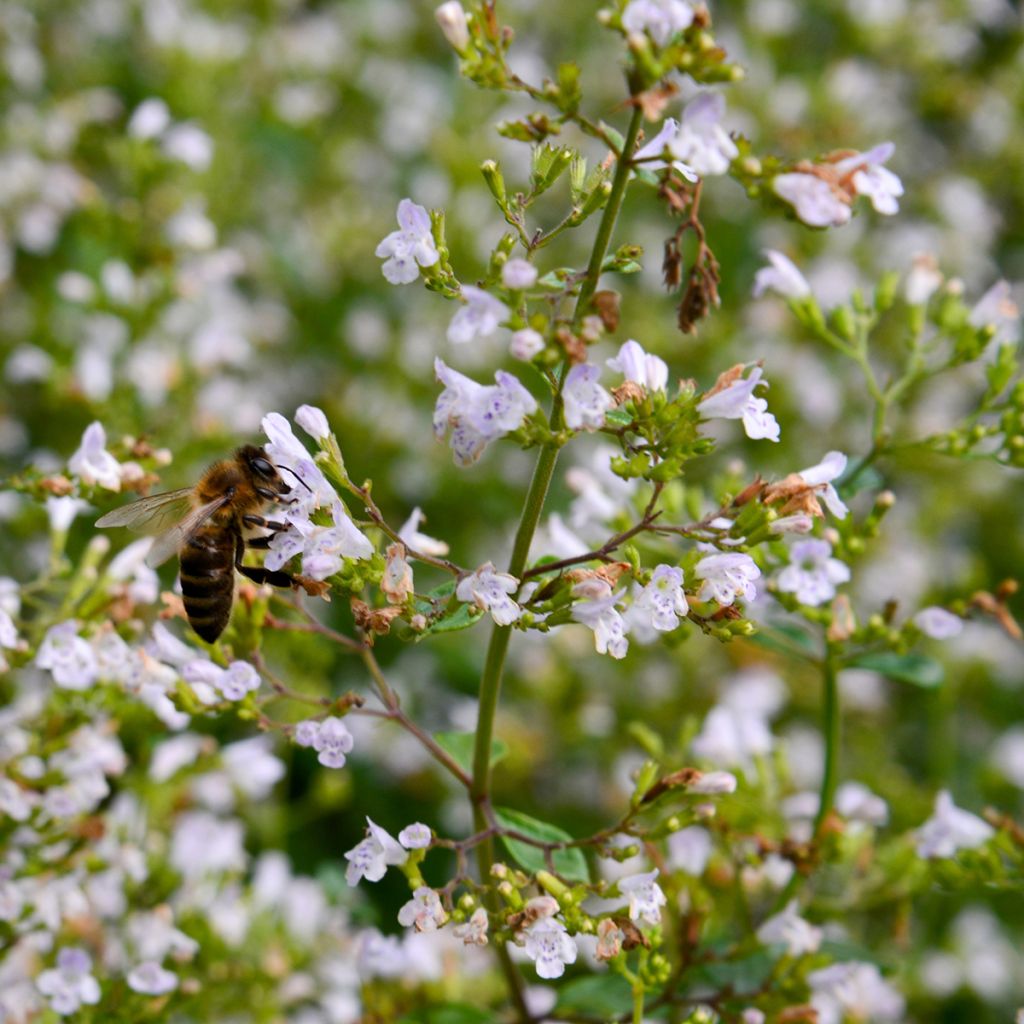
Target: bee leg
<point>257,573</point>
<point>266,524</point>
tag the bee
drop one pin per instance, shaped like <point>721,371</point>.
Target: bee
<point>206,526</point>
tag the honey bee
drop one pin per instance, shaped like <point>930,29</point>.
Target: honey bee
<point>206,526</point>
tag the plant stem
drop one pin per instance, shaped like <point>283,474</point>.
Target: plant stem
<point>830,727</point>
<point>494,663</point>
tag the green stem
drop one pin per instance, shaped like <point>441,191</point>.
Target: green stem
<point>494,663</point>
<point>830,727</point>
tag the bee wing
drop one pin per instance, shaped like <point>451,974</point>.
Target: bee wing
<point>170,542</point>
<point>154,514</point>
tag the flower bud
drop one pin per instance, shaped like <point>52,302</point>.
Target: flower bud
<point>452,19</point>
<point>525,344</point>
<point>313,421</point>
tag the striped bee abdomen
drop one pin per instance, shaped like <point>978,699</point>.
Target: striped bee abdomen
<point>207,573</point>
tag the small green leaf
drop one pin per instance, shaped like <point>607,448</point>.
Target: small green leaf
<point>460,746</point>
<point>605,995</point>
<point>570,864</point>
<point>785,640</point>
<point>618,417</point>
<point>918,669</point>
<point>453,1013</point>
<point>463,617</point>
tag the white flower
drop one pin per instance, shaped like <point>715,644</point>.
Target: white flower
<point>151,979</point>
<point>477,414</point>
<point>62,511</point>
<point>662,602</point>
<point>782,277</point>
<point>409,534</point>
<point>452,19</point>
<point>489,591</point>
<point>550,946</point>
<point>170,756</point>
<point>149,119</point>
<point>233,683</point>
<point>651,153</point>
<point>660,19</point>
<point>397,581</point>
<point>950,829</point>
<point>820,477</point>
<point>370,858</point>
<point>737,401</point>
<point>479,317</point>
<point>1007,755</point>
<point>416,836</point>
<point>189,144</point>
<point>305,732</point>
<point>871,179</point>
<point>204,844</point>
<point>650,372</point>
<point>713,783</point>
<point>732,736</point>
<point>585,400</point>
<point>423,912</point>
<point>645,896</point>
<point>689,850</point>
<point>815,200</point>
<point>239,679</point>
<point>517,275</point>
<point>727,576</point>
<point>313,421</point>
<point>997,310</point>
<point>923,281</point>
<point>596,610</point>
<point>525,344</point>
<point>702,143</point>
<point>287,451</point>
<point>92,463</point>
<point>812,573</point>
<point>323,548</point>
<point>854,991</point>
<point>474,931</point>
<point>856,802</point>
<point>69,985</point>
<point>789,929</point>
<point>411,247</point>
<point>8,631</point>
<point>70,659</point>
<point>332,742</point>
<point>16,803</point>
<point>938,623</point>
<point>129,565</point>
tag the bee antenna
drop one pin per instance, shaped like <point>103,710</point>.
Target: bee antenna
<point>297,477</point>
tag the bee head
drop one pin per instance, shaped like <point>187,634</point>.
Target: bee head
<point>262,469</point>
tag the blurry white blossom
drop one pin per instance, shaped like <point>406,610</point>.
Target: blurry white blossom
<point>782,277</point>
<point>812,573</point>
<point>789,929</point>
<point>736,400</point>
<point>814,199</point>
<point>689,850</point>
<point>452,19</point>
<point>997,310</point>
<point>70,659</point>
<point>820,477</point>
<point>479,317</point>
<point>854,991</point>
<point>660,19</point>
<point>518,275</point>
<point>702,143</point>
<point>938,623</point>
<point>645,897</point>
<point>586,402</point>
<point>525,344</point>
<point>951,829</point>
<point>151,979</point>
<point>92,463</point>
<point>638,366</point>
<point>416,836</point>
<point>652,153</point>
<point>70,985</point>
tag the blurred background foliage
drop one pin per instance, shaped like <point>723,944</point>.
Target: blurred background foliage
<point>179,286</point>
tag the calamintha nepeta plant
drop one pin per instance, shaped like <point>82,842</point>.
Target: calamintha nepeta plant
<point>644,554</point>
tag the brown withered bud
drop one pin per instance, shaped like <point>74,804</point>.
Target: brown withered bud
<point>679,779</point>
<point>631,934</point>
<point>628,391</point>
<point>373,621</point>
<point>803,1014</point>
<point>728,612</point>
<point>607,304</point>
<point>991,605</point>
<point>672,264</point>
<point>141,449</point>
<point>58,485</point>
<point>700,296</point>
<point>653,101</point>
<point>749,493</point>
<point>701,16</point>
<point>1004,823</point>
<point>843,622</point>
<point>574,348</point>
<point>1006,590</point>
<point>315,588</point>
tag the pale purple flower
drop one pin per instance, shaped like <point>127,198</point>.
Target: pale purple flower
<point>70,659</point>
<point>812,573</point>
<point>689,850</point>
<point>129,565</point>
<point>938,623</point>
<point>477,414</point>
<point>149,119</point>
<point>645,897</point>
<point>713,784</point>
<point>789,929</point>
<point>702,143</point>
<point>490,591</point>
<point>550,946</point>
<point>950,829</point>
<point>416,836</point>
<point>517,275</point>
<point>8,631</point>
<point>814,199</point>
<point>92,463</point>
<point>332,742</point>
<point>856,802</point>
<point>586,402</point>
<point>16,803</point>
<point>480,316</point>
<point>239,678</point>
<point>661,603</point>
<point>411,247</point>
<point>873,180</point>
<point>854,991</point>
<point>649,371</point>
<point>474,931</point>
<point>660,19</point>
<point>313,421</point>
<point>205,844</point>
<point>820,477</point>
<point>525,344</point>
<point>423,912</point>
<point>651,154</point>
<point>737,401</point>
<point>170,756</point>
<point>189,144</point>
<point>732,736</point>
<point>370,858</point>
<point>252,766</point>
<point>727,576</point>
<point>923,280</point>
<point>452,19</point>
<point>305,732</point>
<point>596,610</point>
<point>323,548</point>
<point>410,536</point>
<point>69,985</point>
<point>62,511</point>
<point>997,310</point>
<point>782,277</point>
<point>150,979</point>
<point>286,450</point>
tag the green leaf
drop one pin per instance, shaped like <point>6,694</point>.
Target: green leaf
<point>918,669</point>
<point>463,617</point>
<point>605,995</point>
<point>618,417</point>
<point>460,746</point>
<point>453,1013</point>
<point>570,864</point>
<point>785,639</point>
